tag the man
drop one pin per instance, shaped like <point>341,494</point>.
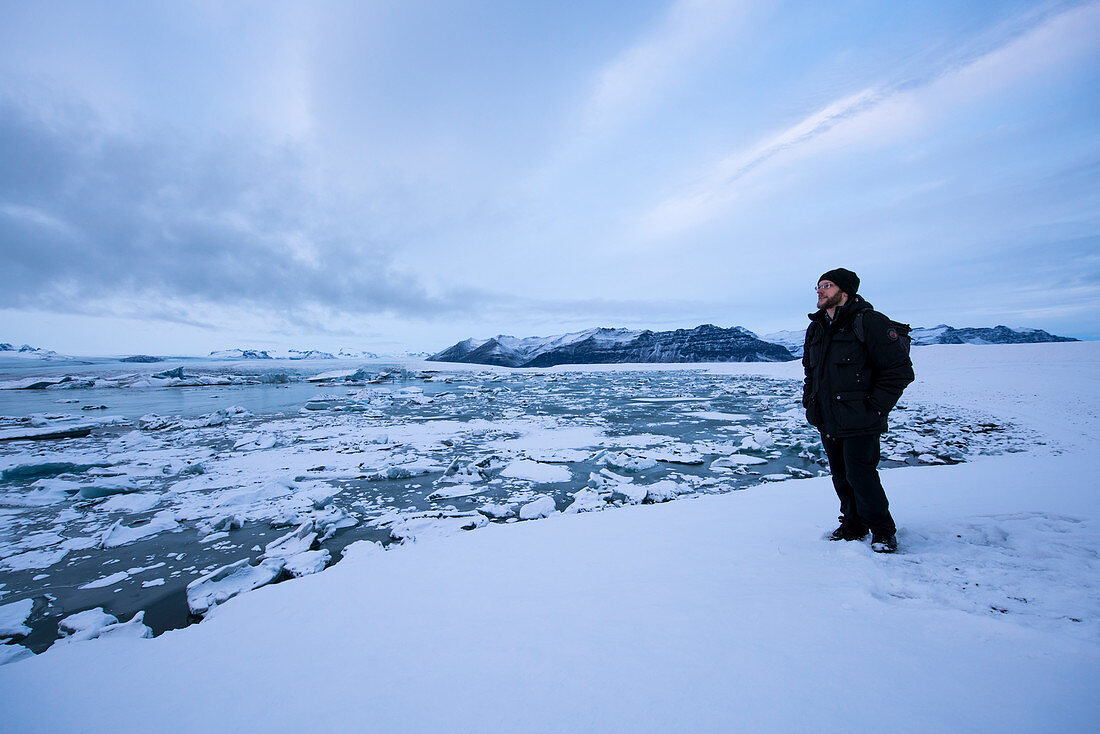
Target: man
<point>857,366</point>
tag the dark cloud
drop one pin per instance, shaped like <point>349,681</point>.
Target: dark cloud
<point>90,216</point>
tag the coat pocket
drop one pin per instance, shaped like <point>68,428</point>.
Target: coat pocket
<point>854,411</point>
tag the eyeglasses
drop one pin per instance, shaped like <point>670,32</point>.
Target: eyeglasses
<point>824,286</point>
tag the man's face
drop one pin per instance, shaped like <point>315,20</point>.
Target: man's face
<point>829,295</point>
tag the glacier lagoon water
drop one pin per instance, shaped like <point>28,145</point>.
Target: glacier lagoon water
<point>184,474</point>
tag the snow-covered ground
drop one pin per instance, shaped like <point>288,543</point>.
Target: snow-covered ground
<point>711,613</point>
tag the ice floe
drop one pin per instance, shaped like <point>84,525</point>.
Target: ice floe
<point>536,472</point>
<point>229,581</point>
<point>13,617</point>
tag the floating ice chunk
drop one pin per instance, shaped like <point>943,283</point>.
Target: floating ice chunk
<point>253,441</point>
<point>795,471</point>
<point>423,526</point>
<point>134,629</point>
<point>403,471</point>
<point>13,654</point>
<point>679,455</point>
<point>536,472</point>
<point>333,519</point>
<point>13,616</point>
<point>476,471</point>
<point>319,494</point>
<point>760,439</point>
<point>629,462</point>
<point>44,539</point>
<point>606,480</point>
<point>307,562</point>
<point>95,623</point>
<point>239,496</point>
<point>455,490</point>
<point>673,400</point>
<point>35,498</point>
<point>33,383</point>
<point>85,625</point>
<point>219,524</point>
<point>557,456</point>
<point>107,486</point>
<point>930,459</point>
<point>293,543</point>
<point>664,490</point>
<point>154,422</point>
<point>775,477</point>
<point>45,432</point>
<point>176,374</point>
<point>737,460</point>
<point>342,375</point>
<point>229,581</point>
<point>139,502</point>
<point>45,469</point>
<point>541,506</point>
<point>111,580</point>
<point>713,415</point>
<point>119,534</point>
<point>362,549</point>
<point>33,559</point>
<point>497,511</point>
<point>585,500</point>
<point>629,493</point>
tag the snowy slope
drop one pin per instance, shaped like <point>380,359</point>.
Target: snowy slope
<point>722,613</point>
<point>792,339</point>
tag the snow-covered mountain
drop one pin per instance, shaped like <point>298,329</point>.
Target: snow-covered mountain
<point>944,334</point>
<point>240,354</point>
<point>792,339</point>
<point>27,351</point>
<point>308,354</point>
<point>346,353</point>
<point>706,343</point>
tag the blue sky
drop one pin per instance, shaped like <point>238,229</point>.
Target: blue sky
<point>181,177</point>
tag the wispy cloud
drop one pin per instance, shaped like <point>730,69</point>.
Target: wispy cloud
<point>38,218</point>
<point>644,70</point>
<point>886,112</point>
<point>717,188</point>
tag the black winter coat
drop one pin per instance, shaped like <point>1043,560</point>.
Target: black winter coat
<point>852,385</point>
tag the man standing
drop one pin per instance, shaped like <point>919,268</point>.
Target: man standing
<point>857,365</point>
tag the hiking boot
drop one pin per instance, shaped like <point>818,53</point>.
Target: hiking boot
<point>884,543</point>
<point>847,531</point>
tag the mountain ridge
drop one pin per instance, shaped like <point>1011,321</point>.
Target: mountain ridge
<point>704,343</point>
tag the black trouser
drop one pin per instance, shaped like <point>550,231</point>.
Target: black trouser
<point>853,462</point>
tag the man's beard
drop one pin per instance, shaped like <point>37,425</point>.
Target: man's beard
<point>833,301</point>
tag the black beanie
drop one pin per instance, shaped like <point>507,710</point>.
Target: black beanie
<point>845,279</point>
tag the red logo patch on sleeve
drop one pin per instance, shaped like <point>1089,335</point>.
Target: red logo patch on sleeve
<point>893,334</point>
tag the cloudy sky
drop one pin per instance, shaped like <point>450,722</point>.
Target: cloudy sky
<point>177,177</point>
